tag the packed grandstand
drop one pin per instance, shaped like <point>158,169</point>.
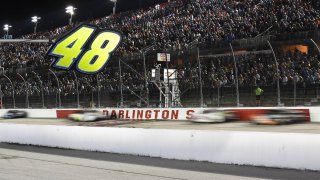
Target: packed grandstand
<point>179,27</point>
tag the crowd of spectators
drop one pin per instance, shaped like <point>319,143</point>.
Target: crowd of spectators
<point>253,70</point>
<point>173,26</point>
<point>105,81</point>
<point>22,55</point>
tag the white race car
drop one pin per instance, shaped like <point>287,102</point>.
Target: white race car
<point>88,115</point>
<point>213,116</point>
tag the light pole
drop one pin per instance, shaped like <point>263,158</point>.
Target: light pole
<point>70,10</point>
<point>114,6</point>
<point>6,28</point>
<point>35,19</point>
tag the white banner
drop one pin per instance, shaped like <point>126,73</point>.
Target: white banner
<point>172,73</point>
<point>163,57</point>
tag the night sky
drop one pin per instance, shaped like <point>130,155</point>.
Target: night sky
<point>19,13</point>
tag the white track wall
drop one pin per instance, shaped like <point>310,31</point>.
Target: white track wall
<point>314,114</point>
<point>282,150</point>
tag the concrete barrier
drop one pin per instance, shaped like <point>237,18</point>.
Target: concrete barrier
<point>281,150</point>
<point>314,114</point>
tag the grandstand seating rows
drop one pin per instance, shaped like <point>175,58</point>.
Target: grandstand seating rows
<point>172,26</point>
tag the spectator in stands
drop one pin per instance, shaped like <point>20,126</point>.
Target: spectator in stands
<point>258,92</point>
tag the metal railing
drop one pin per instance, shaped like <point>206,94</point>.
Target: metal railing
<point>224,96</point>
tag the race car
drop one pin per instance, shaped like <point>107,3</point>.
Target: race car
<point>213,116</point>
<point>14,114</point>
<point>279,116</point>
<point>87,115</point>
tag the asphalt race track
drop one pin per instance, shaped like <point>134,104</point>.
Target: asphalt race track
<point>29,162</point>
<point>26,162</point>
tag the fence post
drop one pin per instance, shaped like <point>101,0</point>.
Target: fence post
<point>13,98</point>
<point>41,86</point>
<point>167,100</point>
<point>200,77</point>
<point>1,98</point>
<point>236,75</point>
<point>120,82</point>
<point>277,74</point>
<point>98,82</point>
<point>144,51</point>
<point>316,45</point>
<point>59,97</point>
<point>294,91</point>
<point>219,94</point>
<point>77,89</point>
<point>27,88</point>
<point>92,100</point>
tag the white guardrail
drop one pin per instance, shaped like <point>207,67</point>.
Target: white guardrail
<point>281,150</point>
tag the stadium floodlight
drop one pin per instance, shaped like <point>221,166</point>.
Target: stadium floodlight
<point>6,28</point>
<point>70,10</point>
<point>35,20</point>
<point>114,6</point>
